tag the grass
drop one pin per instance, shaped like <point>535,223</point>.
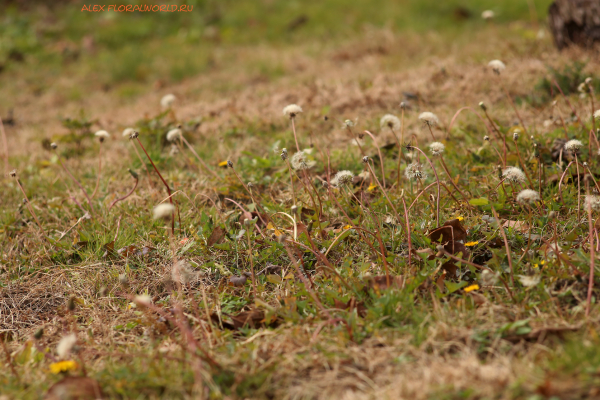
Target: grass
<point>345,303</point>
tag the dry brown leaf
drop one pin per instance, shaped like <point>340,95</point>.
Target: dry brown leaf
<point>75,388</point>
<point>520,226</point>
<point>380,282</point>
<point>451,230</point>
<point>216,236</point>
<point>352,304</point>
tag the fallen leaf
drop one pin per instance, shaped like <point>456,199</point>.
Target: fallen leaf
<point>216,236</point>
<point>75,388</point>
<point>350,305</point>
<point>451,230</point>
<point>520,226</point>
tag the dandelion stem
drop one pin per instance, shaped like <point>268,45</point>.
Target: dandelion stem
<point>592,255</point>
<point>161,178</point>
<point>295,136</point>
<point>437,214</point>
<point>99,171</point>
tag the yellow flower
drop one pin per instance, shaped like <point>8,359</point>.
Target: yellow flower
<point>223,164</point>
<point>543,262</point>
<point>535,266</point>
<point>347,227</point>
<point>469,244</point>
<point>63,366</point>
<point>460,218</point>
<point>471,288</point>
<point>371,187</point>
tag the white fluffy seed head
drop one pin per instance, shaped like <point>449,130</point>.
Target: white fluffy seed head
<point>168,100</point>
<point>573,145</point>
<point>101,135</point>
<point>437,148</point>
<point>173,134</point>
<point>163,211</point>
<point>497,66</point>
<point>65,346</point>
<point>429,118</point>
<point>292,110</point>
<point>527,196</point>
<point>597,114</point>
<point>300,161</point>
<point>343,178</point>
<point>127,132</point>
<point>414,171</point>
<point>514,175</point>
<point>142,300</point>
<point>390,121</point>
<point>593,202</point>
<point>488,14</point>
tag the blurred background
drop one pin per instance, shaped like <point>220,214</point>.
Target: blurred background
<point>58,61</point>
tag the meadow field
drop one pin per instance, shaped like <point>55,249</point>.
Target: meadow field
<point>268,199</point>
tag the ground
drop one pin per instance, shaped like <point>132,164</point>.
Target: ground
<point>251,297</point>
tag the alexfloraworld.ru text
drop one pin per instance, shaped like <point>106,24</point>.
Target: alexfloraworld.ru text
<point>137,8</point>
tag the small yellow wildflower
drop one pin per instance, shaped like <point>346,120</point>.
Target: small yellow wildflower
<point>63,366</point>
<point>470,244</point>
<point>471,288</point>
<point>371,187</point>
<point>347,227</point>
<point>460,218</point>
<point>223,164</point>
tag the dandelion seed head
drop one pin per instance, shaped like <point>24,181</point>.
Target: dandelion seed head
<point>527,196</point>
<point>134,135</point>
<point>163,211</point>
<point>101,135</point>
<point>573,145</point>
<point>482,106</point>
<point>516,135</point>
<point>514,175</point>
<point>53,146</point>
<point>597,114</point>
<point>529,281</point>
<point>348,124</point>
<point>390,121</point>
<point>497,66</point>
<point>229,163</point>
<point>65,346</point>
<point>142,300</point>
<point>343,178</point>
<point>168,100</point>
<point>300,161</point>
<point>486,138</point>
<point>414,171</point>
<point>488,15</point>
<point>437,148</point>
<point>593,202</point>
<point>13,173</point>
<point>429,118</point>
<point>127,132</point>
<point>284,154</point>
<point>292,110</point>
<point>588,80</point>
<point>173,134</point>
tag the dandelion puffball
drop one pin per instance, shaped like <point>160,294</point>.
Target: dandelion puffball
<point>497,66</point>
<point>573,145</point>
<point>142,300</point>
<point>163,211</point>
<point>437,148</point>
<point>414,171</point>
<point>101,135</point>
<point>390,121</point>
<point>597,114</point>
<point>66,344</point>
<point>292,110</point>
<point>488,15</point>
<point>127,132</point>
<point>173,134</point>
<point>168,100</point>
<point>514,175</point>
<point>343,178</point>
<point>593,202</point>
<point>527,196</point>
<point>429,118</point>
<point>301,162</point>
